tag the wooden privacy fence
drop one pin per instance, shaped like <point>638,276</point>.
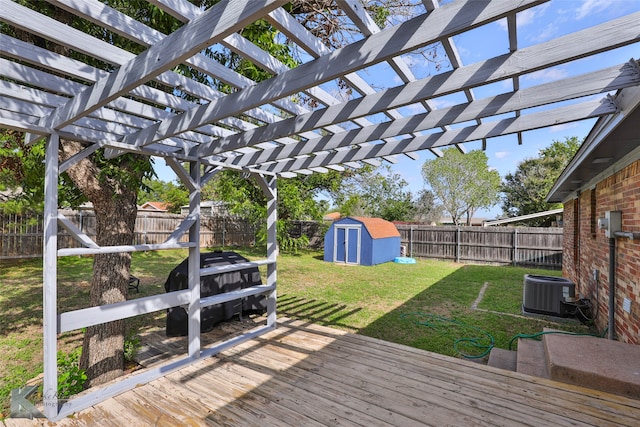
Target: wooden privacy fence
<point>523,246</point>
<point>21,235</point>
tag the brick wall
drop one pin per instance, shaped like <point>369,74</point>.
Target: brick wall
<point>587,249</point>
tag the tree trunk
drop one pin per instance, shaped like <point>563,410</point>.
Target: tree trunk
<point>102,349</point>
<point>115,208</point>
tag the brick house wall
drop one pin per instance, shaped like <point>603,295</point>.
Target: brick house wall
<point>585,249</point>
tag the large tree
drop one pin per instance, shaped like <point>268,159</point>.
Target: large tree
<point>111,185</point>
<point>375,192</point>
<point>426,208</point>
<point>525,191</point>
<point>462,183</point>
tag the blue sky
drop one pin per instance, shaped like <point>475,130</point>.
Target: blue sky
<point>536,25</point>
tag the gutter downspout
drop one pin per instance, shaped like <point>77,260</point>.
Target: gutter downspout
<point>612,276</point>
<point>612,287</point>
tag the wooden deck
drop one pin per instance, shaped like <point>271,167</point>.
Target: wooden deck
<point>308,375</point>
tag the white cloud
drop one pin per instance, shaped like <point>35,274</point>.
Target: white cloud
<point>590,7</point>
<point>506,85</point>
<point>526,17</point>
<point>502,154</point>
<point>502,23</point>
<point>462,50</point>
<point>442,103</point>
<point>416,108</point>
<point>548,75</point>
<point>563,127</point>
<point>411,60</point>
<point>547,33</point>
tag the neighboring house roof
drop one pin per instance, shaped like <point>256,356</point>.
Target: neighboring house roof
<point>474,221</point>
<point>524,217</point>
<point>210,204</point>
<point>10,193</point>
<point>333,216</point>
<point>155,206</point>
<point>613,142</point>
<point>378,228</point>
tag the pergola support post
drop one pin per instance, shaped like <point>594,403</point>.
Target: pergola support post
<point>269,188</point>
<point>49,289</point>
<point>194,261</point>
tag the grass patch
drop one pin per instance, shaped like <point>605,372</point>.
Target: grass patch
<point>395,302</point>
<point>425,305</point>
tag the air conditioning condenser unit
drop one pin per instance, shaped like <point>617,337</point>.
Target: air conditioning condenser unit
<point>545,294</point>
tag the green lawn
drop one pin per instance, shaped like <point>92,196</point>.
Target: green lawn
<point>425,305</point>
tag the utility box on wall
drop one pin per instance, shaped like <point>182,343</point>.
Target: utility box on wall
<point>364,241</point>
<point>611,223</point>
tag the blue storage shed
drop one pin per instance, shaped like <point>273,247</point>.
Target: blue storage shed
<point>364,241</point>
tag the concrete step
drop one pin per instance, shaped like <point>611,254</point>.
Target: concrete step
<point>594,362</point>
<point>531,358</point>
<point>503,359</point>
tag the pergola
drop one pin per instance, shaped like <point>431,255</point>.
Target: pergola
<point>259,128</point>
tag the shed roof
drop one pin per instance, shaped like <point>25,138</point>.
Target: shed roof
<point>378,228</point>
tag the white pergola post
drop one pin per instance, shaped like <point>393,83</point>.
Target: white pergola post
<point>270,191</point>
<point>49,289</point>
<point>194,261</point>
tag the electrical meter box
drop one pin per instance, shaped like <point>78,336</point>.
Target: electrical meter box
<point>613,223</point>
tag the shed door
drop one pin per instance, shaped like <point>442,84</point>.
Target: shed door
<point>346,244</point>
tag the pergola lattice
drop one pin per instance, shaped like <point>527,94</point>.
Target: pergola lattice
<point>258,128</point>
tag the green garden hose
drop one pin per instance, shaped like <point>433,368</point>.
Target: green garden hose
<point>485,342</point>
<point>442,324</point>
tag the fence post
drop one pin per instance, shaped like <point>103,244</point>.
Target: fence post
<point>458,244</point>
<point>515,247</point>
<point>224,231</point>
<point>411,241</point>
<point>145,238</point>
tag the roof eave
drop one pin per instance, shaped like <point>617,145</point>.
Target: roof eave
<point>610,140</point>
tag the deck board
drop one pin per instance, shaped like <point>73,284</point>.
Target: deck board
<point>305,374</point>
<point>461,379</point>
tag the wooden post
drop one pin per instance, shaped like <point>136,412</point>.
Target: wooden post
<point>272,251</point>
<point>49,289</point>
<point>411,241</point>
<point>458,244</point>
<point>269,188</point>
<point>515,247</point>
<point>194,261</point>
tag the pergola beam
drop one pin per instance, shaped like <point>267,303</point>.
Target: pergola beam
<point>563,49</point>
<point>606,80</point>
<point>445,22</point>
<point>552,117</point>
<point>219,21</point>
<point>120,23</point>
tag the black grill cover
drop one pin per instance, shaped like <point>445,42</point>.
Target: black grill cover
<point>213,285</point>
